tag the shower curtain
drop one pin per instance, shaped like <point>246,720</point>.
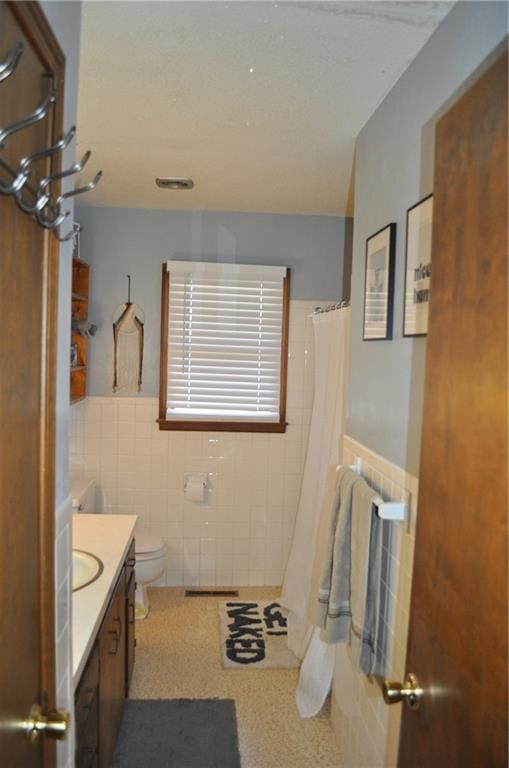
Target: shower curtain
<point>325,432</point>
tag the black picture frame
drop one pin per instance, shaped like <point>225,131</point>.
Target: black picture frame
<point>379,284</point>
<point>417,268</point>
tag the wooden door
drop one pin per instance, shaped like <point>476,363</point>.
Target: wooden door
<point>28,274</point>
<point>458,623</point>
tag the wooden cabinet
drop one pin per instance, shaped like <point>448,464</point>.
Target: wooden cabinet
<point>130,617</point>
<point>104,685</point>
<point>86,708</point>
<point>112,654</point>
<point>79,311</point>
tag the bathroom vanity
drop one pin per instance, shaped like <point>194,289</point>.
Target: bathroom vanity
<point>103,636</point>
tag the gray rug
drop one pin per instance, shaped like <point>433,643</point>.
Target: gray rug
<point>178,733</point>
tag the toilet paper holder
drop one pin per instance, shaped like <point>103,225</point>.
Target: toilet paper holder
<point>192,478</point>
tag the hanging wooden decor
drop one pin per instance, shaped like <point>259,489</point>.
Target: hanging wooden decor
<point>128,337</point>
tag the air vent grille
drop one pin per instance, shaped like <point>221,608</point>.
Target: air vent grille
<point>175,184</point>
<point>212,592</point>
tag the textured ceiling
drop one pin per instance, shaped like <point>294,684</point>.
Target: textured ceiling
<point>259,103</point>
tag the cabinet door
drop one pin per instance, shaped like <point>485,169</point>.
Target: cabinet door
<point>86,713</point>
<point>112,653</point>
<point>130,639</point>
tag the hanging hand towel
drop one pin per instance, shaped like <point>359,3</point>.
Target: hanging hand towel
<point>374,636</point>
<point>362,518</point>
<point>334,610</point>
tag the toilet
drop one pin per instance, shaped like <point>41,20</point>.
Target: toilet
<point>150,549</point>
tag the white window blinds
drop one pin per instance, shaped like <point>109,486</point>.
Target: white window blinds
<point>225,326</point>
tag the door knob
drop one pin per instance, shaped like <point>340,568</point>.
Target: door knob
<point>410,692</point>
<point>54,724</point>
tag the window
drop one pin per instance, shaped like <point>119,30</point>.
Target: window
<point>224,336</point>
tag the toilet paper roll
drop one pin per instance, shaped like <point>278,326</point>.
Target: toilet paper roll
<point>195,490</point>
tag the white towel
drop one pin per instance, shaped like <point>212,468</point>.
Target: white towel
<point>319,659</point>
<point>315,677</point>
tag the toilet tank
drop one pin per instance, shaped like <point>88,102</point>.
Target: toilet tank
<point>83,495</point>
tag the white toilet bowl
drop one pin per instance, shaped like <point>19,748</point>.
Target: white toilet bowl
<point>150,550</point>
<point>150,565</point>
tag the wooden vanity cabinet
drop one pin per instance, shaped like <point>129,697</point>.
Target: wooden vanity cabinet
<point>86,709</point>
<point>112,660</point>
<point>104,685</point>
<point>130,612</point>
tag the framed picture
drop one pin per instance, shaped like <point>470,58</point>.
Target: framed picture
<point>379,284</point>
<point>419,220</point>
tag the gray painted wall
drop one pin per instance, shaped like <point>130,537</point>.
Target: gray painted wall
<point>119,241</point>
<point>65,20</point>
<point>394,169</point>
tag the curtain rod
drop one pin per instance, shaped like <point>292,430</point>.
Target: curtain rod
<point>331,307</point>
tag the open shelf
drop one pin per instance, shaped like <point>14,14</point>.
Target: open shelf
<point>79,311</point>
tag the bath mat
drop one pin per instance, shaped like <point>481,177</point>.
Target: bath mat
<point>254,635</point>
<point>178,733</point>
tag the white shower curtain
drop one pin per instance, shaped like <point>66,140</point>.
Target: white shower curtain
<point>325,433</point>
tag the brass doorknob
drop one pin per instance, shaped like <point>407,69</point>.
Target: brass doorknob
<point>410,692</point>
<point>54,724</point>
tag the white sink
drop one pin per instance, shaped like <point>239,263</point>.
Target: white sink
<point>86,568</point>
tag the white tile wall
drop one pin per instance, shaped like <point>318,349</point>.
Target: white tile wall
<point>63,624</point>
<point>241,534</point>
<point>366,728</point>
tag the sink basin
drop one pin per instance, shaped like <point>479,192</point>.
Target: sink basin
<point>86,568</point>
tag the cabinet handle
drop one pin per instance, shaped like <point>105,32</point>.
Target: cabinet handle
<point>117,642</point>
<point>118,621</point>
<point>91,692</point>
<point>132,610</point>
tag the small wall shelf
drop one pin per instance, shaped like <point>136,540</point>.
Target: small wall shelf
<point>79,311</point>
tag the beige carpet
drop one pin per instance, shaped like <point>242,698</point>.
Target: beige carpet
<point>177,657</point>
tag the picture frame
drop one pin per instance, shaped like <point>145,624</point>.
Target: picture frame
<point>419,224</point>
<point>379,284</point>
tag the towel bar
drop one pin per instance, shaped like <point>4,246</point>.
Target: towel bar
<point>385,510</point>
<point>389,510</point>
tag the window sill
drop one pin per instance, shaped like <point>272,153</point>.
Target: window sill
<point>223,426</point>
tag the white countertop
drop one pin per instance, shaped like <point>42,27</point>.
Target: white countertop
<point>108,537</point>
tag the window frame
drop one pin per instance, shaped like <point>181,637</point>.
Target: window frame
<point>210,425</point>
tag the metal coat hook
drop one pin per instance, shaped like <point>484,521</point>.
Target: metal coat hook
<point>58,147</point>
<point>23,172</point>
<point>86,188</point>
<point>8,66</point>
<point>38,114</point>
<point>48,213</point>
<point>44,196</point>
<point>76,229</point>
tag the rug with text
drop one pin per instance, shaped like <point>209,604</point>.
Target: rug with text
<point>254,635</point>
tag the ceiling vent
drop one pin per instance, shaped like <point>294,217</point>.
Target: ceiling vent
<point>171,183</point>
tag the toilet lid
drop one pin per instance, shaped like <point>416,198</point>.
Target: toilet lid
<point>145,542</point>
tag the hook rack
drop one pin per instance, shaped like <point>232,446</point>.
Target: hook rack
<point>45,210</point>
<point>8,66</point>
<point>385,510</point>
